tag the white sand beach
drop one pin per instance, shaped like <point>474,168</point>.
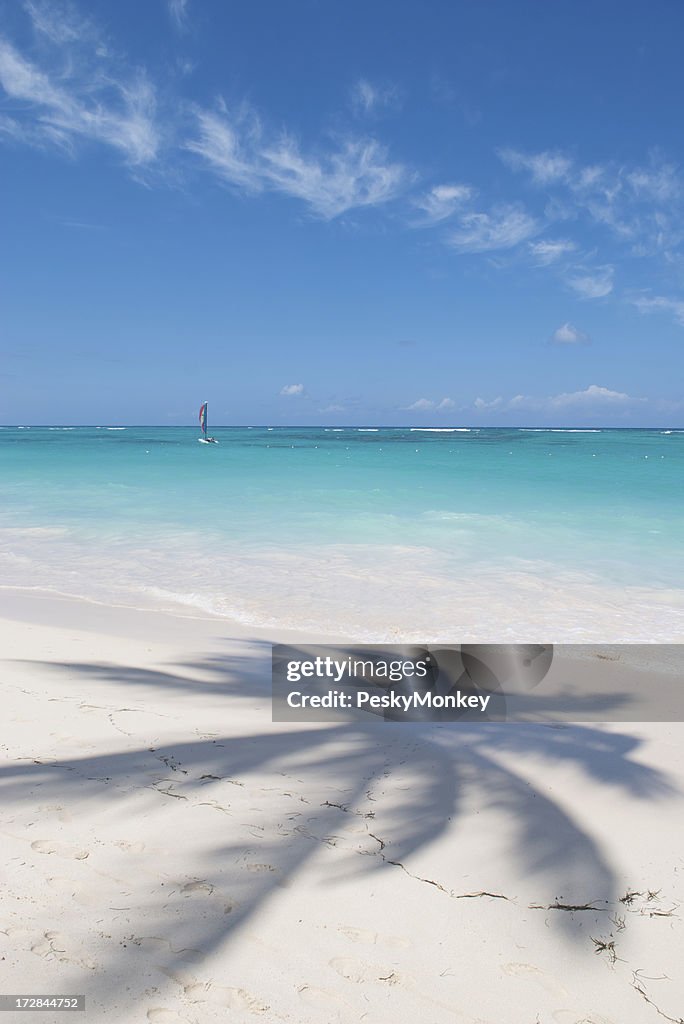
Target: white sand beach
<point>176,856</point>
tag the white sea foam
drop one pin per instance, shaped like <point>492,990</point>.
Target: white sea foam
<point>367,430</point>
<point>408,593</point>
<point>33,531</point>
<point>440,430</point>
<point>115,428</point>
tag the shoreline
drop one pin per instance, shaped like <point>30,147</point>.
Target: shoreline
<point>551,537</point>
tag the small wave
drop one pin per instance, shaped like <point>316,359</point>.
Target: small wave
<point>575,430</point>
<point>367,430</point>
<point>333,430</point>
<point>439,430</point>
<point>115,428</point>
<point>33,531</point>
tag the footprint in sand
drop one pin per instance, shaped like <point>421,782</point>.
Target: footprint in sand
<point>361,971</point>
<point>231,998</point>
<point>160,1015</point>
<point>123,844</point>
<point>198,886</point>
<point>327,1005</point>
<point>260,867</point>
<point>155,942</point>
<point>545,981</point>
<point>58,811</point>
<point>369,938</point>
<point>54,945</point>
<point>76,893</point>
<point>60,849</point>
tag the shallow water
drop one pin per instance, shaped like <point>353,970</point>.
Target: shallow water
<point>367,533</point>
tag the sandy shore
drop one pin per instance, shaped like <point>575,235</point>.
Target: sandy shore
<point>177,857</point>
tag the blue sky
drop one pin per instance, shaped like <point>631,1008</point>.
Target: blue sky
<point>324,212</point>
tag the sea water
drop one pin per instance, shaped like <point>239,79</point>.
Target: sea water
<point>364,533</point>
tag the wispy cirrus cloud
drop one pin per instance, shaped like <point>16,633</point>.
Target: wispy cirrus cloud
<point>59,22</point>
<point>503,228</point>
<point>640,205</point>
<point>546,252</point>
<point>370,98</point>
<point>178,12</point>
<point>76,98</point>
<point>441,202</point>
<point>592,284</point>
<point>660,304</point>
<point>292,390</point>
<point>545,167</point>
<point>354,174</point>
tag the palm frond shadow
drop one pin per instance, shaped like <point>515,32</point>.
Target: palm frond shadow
<point>376,794</point>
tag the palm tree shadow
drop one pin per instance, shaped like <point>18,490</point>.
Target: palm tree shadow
<point>349,798</point>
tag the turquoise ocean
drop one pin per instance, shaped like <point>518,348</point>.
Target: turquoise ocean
<point>363,533</point>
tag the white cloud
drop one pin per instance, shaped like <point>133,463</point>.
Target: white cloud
<point>421,405</point>
<point>482,406</point>
<point>357,173</point>
<point>661,304</point>
<point>544,167</point>
<point>292,389</point>
<point>550,251</point>
<point>595,284</point>
<point>441,202</point>
<point>567,334</point>
<point>58,22</point>
<point>425,404</point>
<point>595,397</point>
<point>504,228</point>
<point>661,182</point>
<point>178,9</point>
<point>640,205</point>
<point>368,98</point>
<point>333,408</point>
<point>228,146</point>
<point>12,129</point>
<point>81,103</point>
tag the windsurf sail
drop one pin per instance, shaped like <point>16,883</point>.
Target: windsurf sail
<point>203,418</point>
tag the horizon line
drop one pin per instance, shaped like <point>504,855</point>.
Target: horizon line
<point>336,426</point>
